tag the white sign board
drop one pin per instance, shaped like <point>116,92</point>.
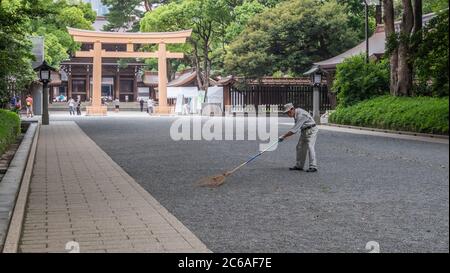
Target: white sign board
<point>215,95</point>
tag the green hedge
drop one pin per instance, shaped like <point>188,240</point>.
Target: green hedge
<point>357,80</point>
<point>9,128</point>
<point>416,114</point>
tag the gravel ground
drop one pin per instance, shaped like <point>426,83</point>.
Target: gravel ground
<point>368,188</point>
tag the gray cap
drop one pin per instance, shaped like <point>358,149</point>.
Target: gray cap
<point>288,107</point>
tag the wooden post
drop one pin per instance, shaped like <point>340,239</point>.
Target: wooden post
<point>117,84</point>
<point>96,107</point>
<point>69,86</point>
<point>162,79</point>
<point>88,84</point>
<point>135,80</point>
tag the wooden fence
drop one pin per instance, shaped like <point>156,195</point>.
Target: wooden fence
<point>301,95</point>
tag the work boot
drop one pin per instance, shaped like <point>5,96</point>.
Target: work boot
<point>311,170</point>
<point>295,168</point>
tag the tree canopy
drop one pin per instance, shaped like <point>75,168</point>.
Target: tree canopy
<point>22,19</point>
<point>53,27</point>
<point>290,37</point>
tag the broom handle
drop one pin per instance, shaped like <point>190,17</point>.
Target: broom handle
<point>251,159</point>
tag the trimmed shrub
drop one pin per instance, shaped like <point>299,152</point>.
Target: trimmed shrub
<point>415,114</point>
<point>357,80</point>
<point>9,128</point>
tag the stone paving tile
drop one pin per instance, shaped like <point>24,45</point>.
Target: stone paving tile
<point>78,193</point>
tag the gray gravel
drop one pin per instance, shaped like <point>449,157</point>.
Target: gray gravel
<point>368,188</point>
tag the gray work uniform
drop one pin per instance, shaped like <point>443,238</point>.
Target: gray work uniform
<point>308,137</point>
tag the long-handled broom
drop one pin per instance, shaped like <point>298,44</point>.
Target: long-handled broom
<point>218,180</point>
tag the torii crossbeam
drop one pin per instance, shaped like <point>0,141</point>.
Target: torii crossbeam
<point>128,38</point>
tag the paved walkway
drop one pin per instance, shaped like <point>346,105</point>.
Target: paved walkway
<point>78,193</point>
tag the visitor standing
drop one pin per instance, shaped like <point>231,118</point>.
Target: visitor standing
<point>29,104</point>
<point>79,108</point>
<point>116,105</point>
<point>71,104</point>
<point>141,104</point>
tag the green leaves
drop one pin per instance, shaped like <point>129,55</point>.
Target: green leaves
<point>58,43</point>
<point>9,128</point>
<point>431,58</point>
<point>357,80</point>
<point>419,114</point>
<point>290,37</point>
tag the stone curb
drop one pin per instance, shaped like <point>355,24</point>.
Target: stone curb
<point>386,131</point>
<point>19,169</point>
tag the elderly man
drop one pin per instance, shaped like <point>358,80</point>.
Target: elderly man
<point>304,124</point>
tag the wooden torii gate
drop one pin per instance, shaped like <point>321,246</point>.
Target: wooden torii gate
<point>128,38</point>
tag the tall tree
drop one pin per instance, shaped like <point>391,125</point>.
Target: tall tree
<point>401,45</point>
<point>53,27</point>
<point>206,18</point>
<point>290,37</point>
<point>16,17</point>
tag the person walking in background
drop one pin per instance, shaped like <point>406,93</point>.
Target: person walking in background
<point>29,104</point>
<point>79,108</point>
<point>150,106</point>
<point>116,105</point>
<point>141,104</point>
<point>71,104</point>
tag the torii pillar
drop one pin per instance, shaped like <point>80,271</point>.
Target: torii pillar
<point>128,38</point>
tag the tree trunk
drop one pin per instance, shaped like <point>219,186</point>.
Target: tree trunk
<point>205,68</point>
<point>389,28</point>
<point>404,72</point>
<point>417,16</point>
<point>404,51</point>
<point>147,5</point>
<point>197,65</point>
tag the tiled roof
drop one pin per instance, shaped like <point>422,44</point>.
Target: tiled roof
<point>376,45</point>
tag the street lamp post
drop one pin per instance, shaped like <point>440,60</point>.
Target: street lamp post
<point>317,81</point>
<point>44,73</point>
<point>367,3</point>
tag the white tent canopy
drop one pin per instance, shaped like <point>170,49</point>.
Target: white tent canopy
<point>187,92</point>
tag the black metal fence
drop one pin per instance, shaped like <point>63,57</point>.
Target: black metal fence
<point>299,95</point>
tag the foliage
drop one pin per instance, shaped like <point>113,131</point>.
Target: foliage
<point>9,128</point>
<point>355,10</point>
<point>21,19</point>
<point>15,47</point>
<point>241,15</point>
<point>207,19</point>
<point>357,80</point>
<point>53,27</point>
<point>126,14</point>
<point>419,114</point>
<point>431,60</point>
<point>290,36</point>
<point>434,5</point>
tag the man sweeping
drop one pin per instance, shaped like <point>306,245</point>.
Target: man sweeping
<point>306,125</point>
